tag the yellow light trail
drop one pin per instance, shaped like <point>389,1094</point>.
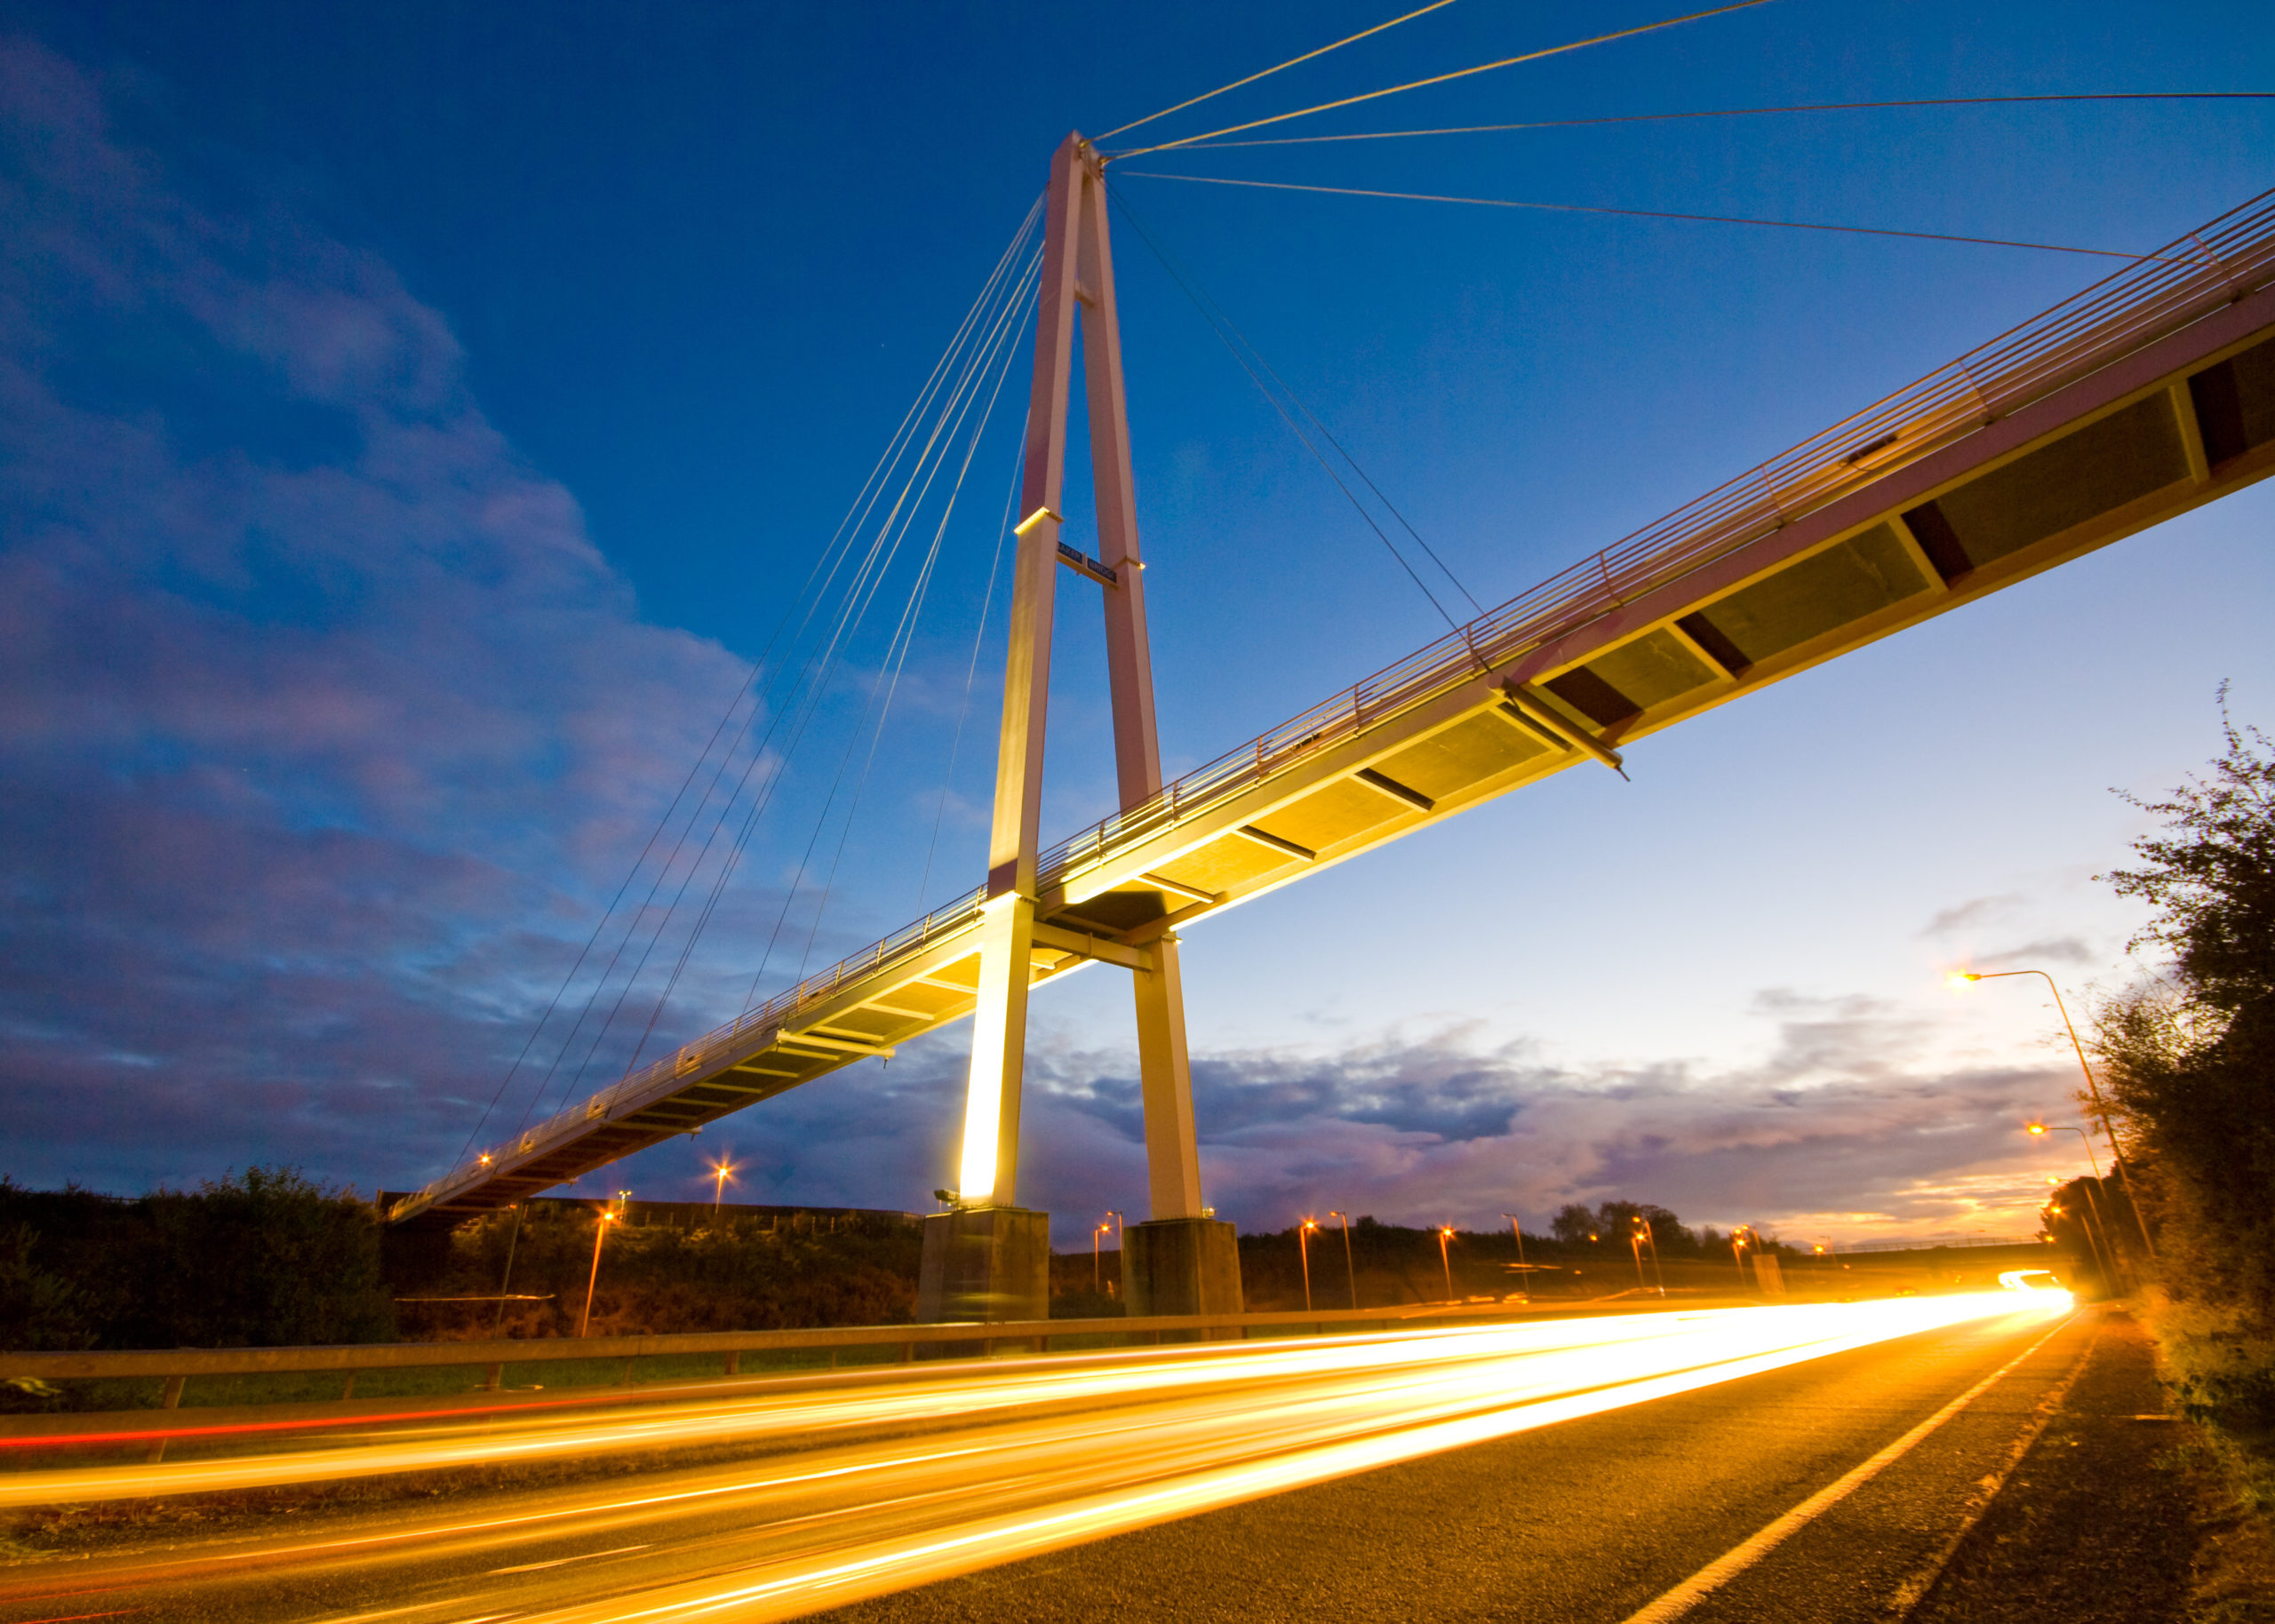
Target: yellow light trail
<point>1018,1458</point>
<point>1731,1344</point>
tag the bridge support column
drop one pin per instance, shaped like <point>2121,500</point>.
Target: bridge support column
<point>1191,1259</point>
<point>990,1168</point>
<point>1165,1085</point>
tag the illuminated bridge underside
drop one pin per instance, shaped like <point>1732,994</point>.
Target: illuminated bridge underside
<point>2115,411</point>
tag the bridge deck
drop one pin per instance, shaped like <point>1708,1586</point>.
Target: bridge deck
<point>2150,393</point>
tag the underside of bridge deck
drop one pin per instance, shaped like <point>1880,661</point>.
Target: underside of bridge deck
<point>1900,520</point>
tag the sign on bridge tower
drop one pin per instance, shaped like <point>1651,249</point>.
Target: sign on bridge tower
<point>989,1258</point>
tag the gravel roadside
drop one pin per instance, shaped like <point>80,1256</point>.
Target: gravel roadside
<point>2105,1518</point>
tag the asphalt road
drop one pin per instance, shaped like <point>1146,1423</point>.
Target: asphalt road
<point>1574,1470</point>
<point>1591,1521</point>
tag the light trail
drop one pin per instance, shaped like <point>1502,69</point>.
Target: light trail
<point>1375,1362</point>
<point>987,1463</point>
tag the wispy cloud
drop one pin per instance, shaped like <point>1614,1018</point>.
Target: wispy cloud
<point>2047,950</point>
<point>305,679</point>
<point>1973,914</point>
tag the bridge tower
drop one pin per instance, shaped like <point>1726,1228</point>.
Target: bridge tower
<point>988,1258</point>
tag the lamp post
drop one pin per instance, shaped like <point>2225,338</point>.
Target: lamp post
<point>1304,1250</point>
<point>506,1284</point>
<point>1524,1269</point>
<point>2106,1247</point>
<point>1737,1249</point>
<point>1640,1234</point>
<point>1517,1232</point>
<point>1350,1270</point>
<point>1097,1230</point>
<point>723,1173</point>
<point>2093,1088</point>
<point>1445,1234</point>
<point>608,1215</point>
<point>2093,1242</point>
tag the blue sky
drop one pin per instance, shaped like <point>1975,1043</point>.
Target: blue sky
<point>417,416</point>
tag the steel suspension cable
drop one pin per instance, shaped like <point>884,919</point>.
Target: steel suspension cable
<point>834,557</point>
<point>742,689</point>
<point>993,358</point>
<point>1291,62</point>
<point>848,523</point>
<point>1652,214</point>
<point>1647,118</point>
<point>915,608</point>
<point>782,916</point>
<point>1227,335</point>
<point>971,671</point>
<point>867,581</point>
<point>1447,78</point>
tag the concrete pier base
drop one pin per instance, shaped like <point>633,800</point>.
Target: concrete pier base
<point>984,1263</point>
<point>1181,1266</point>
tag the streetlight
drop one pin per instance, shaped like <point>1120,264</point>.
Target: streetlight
<point>505,1282</point>
<point>1738,1233</point>
<point>2093,1088</point>
<point>1445,1234</point>
<point>2039,1130</point>
<point>1638,1231</point>
<point>1349,1268</point>
<point>1097,1230</point>
<point>1304,1250</point>
<point>609,1214</point>
<point>722,1174</point>
<point>1524,1269</point>
<point>2092,1242</point>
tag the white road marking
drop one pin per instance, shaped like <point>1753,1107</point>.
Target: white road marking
<point>1729,1565</point>
<point>562,1562</point>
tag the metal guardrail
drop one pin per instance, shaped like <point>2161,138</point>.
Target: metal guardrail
<point>176,1366</point>
<point>2164,292</point>
<point>1865,1247</point>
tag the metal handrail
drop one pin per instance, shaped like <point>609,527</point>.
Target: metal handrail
<point>2123,312</point>
<point>2163,292</point>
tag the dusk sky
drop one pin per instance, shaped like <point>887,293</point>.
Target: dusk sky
<point>415,418</point>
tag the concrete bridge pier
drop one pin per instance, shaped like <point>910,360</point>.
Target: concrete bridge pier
<point>984,1263</point>
<point>1181,1266</point>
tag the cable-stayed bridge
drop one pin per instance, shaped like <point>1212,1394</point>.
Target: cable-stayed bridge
<point>2150,392</point>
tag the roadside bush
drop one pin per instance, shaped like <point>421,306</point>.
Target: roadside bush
<point>2189,1061</point>
<point>736,1274</point>
<point>264,1258</point>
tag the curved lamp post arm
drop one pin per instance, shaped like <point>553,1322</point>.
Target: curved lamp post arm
<point>2093,1091</point>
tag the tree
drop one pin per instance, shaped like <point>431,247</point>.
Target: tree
<point>40,1312</point>
<point>2190,1060</point>
<point>2211,876</point>
<point>1573,1224</point>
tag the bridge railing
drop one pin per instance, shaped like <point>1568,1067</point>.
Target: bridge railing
<point>2133,306</point>
<point>725,1041</point>
<point>2158,294</point>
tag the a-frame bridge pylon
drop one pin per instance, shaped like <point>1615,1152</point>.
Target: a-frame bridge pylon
<point>988,1258</point>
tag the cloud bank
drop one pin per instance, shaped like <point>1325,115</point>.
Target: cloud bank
<point>319,711</point>
<point>327,729</point>
<point>1849,1127</point>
